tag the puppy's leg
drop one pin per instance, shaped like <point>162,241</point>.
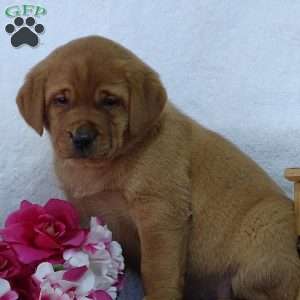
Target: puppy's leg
<point>266,253</point>
<point>262,281</point>
<point>163,237</point>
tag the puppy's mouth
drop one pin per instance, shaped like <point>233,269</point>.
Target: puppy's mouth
<point>85,154</point>
<point>86,144</point>
<point>90,154</point>
<point>92,151</point>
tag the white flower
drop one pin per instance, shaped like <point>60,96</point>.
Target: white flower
<point>66,284</point>
<point>90,272</point>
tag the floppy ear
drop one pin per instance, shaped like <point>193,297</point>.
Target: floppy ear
<point>147,100</point>
<point>31,102</point>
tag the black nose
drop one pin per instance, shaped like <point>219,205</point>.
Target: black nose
<point>83,137</point>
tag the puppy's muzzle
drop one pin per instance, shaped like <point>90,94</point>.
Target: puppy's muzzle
<point>83,138</point>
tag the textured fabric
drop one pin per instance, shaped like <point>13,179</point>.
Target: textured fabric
<point>232,65</point>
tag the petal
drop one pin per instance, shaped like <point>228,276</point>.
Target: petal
<point>19,233</point>
<point>26,204</point>
<point>53,293</point>
<point>99,233</point>
<point>64,286</point>
<point>103,282</point>
<point>101,254</point>
<point>45,241</point>
<point>63,211</point>
<point>27,254</point>
<point>86,284</point>
<point>43,270</point>
<point>4,287</point>
<point>11,295</point>
<point>95,221</point>
<point>115,249</point>
<point>75,239</point>
<point>76,258</point>
<point>75,274</point>
<point>27,212</point>
<point>112,291</point>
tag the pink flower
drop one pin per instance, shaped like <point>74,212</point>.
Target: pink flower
<point>9,264</point>
<point>102,256</point>
<point>76,283</point>
<point>39,233</point>
<point>17,274</point>
<point>5,291</point>
<point>25,286</point>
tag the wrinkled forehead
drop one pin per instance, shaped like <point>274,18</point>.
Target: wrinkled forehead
<point>86,75</point>
<point>86,70</point>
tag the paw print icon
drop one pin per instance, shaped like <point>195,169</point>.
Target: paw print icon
<point>24,32</point>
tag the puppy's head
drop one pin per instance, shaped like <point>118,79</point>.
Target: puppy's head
<point>93,96</point>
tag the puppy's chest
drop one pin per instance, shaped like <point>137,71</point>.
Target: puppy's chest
<point>109,205</point>
<point>82,183</point>
<point>112,208</point>
<point>95,194</point>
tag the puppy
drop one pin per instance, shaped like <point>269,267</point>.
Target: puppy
<point>197,217</point>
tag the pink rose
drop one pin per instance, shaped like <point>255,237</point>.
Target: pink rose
<point>39,233</point>
<point>9,264</point>
<point>17,274</point>
<point>26,287</point>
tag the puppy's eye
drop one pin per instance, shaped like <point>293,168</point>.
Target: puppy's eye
<point>61,100</point>
<point>110,102</point>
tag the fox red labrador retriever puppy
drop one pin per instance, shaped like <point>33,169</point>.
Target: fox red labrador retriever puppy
<point>199,217</point>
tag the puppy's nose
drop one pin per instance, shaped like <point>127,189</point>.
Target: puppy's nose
<point>83,137</point>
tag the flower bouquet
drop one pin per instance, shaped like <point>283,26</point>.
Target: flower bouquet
<point>46,255</point>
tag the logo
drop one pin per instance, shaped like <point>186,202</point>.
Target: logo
<point>24,29</point>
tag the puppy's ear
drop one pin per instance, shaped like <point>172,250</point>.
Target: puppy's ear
<point>31,102</point>
<point>147,100</point>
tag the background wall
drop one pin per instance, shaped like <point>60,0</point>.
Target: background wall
<point>232,65</point>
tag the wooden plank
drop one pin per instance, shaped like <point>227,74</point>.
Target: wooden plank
<point>297,205</point>
<point>292,174</point>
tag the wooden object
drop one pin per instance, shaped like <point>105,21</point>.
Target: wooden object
<point>293,174</point>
